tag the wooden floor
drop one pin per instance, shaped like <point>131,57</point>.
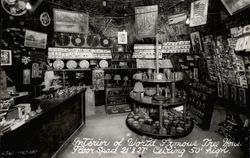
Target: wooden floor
<point>113,128</point>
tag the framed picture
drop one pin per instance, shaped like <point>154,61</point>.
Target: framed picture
<point>242,97</point>
<point>26,76</point>
<point>196,41</point>
<point>6,57</point>
<point>70,21</point>
<point>35,39</point>
<point>234,94</point>
<point>226,91</point>
<point>234,6</point>
<point>122,38</point>
<point>220,90</point>
<point>198,15</point>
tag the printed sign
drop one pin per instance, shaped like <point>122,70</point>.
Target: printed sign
<point>146,19</point>
<point>198,15</point>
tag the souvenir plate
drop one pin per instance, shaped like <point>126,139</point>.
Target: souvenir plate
<point>78,40</point>
<point>62,39</point>
<point>104,64</point>
<point>71,64</point>
<point>105,42</point>
<point>58,64</point>
<point>84,64</point>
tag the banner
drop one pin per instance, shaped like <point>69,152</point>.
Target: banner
<point>198,15</point>
<point>178,18</point>
<point>146,19</point>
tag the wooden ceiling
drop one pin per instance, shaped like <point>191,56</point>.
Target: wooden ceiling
<point>109,7</point>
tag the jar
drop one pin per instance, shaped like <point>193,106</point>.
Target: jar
<point>164,131</point>
<point>172,130</point>
<point>135,123</point>
<point>179,130</point>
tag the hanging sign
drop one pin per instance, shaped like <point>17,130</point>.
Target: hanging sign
<point>146,19</point>
<point>70,21</point>
<point>122,38</point>
<point>198,15</point>
<point>178,18</point>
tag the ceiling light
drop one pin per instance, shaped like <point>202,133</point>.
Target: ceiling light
<point>28,6</point>
<point>187,21</point>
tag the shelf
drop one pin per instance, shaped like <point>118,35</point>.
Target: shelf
<point>160,136</point>
<point>122,60</point>
<point>168,104</point>
<point>158,81</point>
<point>72,69</point>
<point>80,58</point>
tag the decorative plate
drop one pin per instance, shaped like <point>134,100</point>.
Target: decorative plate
<point>71,64</point>
<point>103,64</point>
<point>93,40</point>
<point>78,40</point>
<point>58,64</point>
<point>105,42</point>
<point>84,64</point>
<point>62,39</point>
<point>14,7</point>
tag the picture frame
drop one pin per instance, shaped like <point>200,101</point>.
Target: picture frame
<point>234,94</point>
<point>122,37</point>
<point>242,97</point>
<point>70,21</point>
<point>198,14</point>
<point>220,90</point>
<point>196,41</point>
<point>6,57</point>
<point>35,39</point>
<point>235,6</point>
<point>226,91</point>
<point>26,76</point>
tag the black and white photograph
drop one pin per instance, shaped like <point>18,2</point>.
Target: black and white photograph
<point>6,57</point>
<point>125,79</point>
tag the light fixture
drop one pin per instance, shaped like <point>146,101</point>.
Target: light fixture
<point>187,20</point>
<point>28,6</point>
<point>104,3</point>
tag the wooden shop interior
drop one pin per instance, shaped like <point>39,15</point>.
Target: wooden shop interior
<point>164,69</point>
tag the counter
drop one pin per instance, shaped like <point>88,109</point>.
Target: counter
<point>43,134</point>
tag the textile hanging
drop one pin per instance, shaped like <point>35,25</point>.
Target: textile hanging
<point>146,19</point>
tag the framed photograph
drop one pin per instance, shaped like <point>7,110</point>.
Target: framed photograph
<point>70,21</point>
<point>196,41</point>
<point>122,38</point>
<point>234,6</point>
<point>6,57</point>
<point>198,15</point>
<point>35,39</point>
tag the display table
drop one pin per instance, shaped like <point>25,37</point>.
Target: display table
<point>43,134</point>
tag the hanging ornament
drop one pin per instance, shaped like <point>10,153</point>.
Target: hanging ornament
<point>25,60</point>
<point>45,19</point>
